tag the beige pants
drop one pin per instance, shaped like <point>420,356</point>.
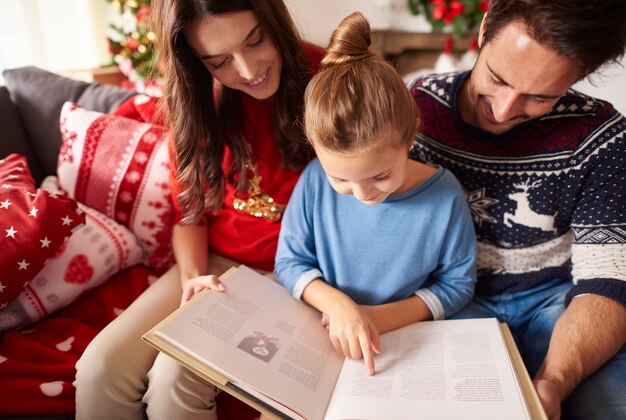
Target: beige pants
<point>121,377</point>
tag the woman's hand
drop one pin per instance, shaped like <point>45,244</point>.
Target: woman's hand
<point>197,284</point>
<point>352,332</point>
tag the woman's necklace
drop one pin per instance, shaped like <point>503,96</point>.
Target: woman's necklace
<point>259,203</point>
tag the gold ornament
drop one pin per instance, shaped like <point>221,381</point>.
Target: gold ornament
<point>259,203</point>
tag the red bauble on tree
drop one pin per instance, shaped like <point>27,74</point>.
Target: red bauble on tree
<point>460,17</point>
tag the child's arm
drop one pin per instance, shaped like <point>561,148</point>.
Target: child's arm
<point>453,281</point>
<point>297,268</point>
<point>351,331</point>
<point>190,244</point>
<point>451,285</point>
<point>296,263</point>
<point>394,315</point>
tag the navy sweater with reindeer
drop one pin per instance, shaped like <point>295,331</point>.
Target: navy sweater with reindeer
<point>548,198</point>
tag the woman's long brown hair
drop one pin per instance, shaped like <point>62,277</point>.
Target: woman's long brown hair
<point>204,122</point>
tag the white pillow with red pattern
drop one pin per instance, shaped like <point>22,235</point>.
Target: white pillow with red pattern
<point>120,167</point>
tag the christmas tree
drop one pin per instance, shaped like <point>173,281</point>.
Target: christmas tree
<point>131,42</point>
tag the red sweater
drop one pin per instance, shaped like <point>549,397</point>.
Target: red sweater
<point>237,235</point>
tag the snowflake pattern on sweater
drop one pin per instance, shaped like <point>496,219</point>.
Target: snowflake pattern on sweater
<point>548,198</point>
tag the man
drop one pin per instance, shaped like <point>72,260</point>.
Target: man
<point>544,168</point>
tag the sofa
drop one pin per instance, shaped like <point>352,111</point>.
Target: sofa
<point>85,204</point>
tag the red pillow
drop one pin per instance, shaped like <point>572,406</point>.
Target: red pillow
<point>34,223</point>
<point>90,257</point>
<point>142,108</point>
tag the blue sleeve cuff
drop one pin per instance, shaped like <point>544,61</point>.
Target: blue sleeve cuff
<point>433,303</point>
<point>610,288</point>
<point>304,280</point>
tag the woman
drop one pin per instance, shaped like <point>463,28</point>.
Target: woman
<point>235,74</point>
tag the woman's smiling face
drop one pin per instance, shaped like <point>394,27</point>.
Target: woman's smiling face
<point>238,52</point>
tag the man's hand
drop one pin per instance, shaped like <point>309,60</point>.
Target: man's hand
<point>197,284</point>
<point>549,397</point>
<point>588,334</point>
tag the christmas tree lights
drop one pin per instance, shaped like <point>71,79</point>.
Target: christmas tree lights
<point>131,42</point>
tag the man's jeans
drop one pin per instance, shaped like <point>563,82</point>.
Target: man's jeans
<point>531,316</point>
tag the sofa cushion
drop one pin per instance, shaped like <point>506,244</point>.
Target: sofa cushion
<point>39,96</point>
<point>33,226</point>
<point>89,257</point>
<point>13,136</point>
<point>120,167</point>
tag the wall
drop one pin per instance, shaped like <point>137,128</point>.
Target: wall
<point>609,84</point>
<point>317,19</point>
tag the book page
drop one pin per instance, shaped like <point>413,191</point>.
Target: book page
<point>436,370</point>
<point>261,339</point>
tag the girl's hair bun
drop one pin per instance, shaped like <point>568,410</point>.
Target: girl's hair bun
<point>349,42</point>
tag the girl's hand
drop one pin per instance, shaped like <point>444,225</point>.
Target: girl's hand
<point>352,333</point>
<point>197,284</point>
<point>368,310</point>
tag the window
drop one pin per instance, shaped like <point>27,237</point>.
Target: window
<point>56,35</point>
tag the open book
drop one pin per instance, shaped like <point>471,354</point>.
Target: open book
<point>258,343</point>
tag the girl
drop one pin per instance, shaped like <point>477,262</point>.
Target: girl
<point>235,74</point>
<point>373,240</point>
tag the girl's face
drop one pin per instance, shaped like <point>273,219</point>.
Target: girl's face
<point>370,176</point>
<point>238,52</point>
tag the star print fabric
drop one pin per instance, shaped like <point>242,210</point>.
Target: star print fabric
<point>85,261</point>
<point>34,223</point>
